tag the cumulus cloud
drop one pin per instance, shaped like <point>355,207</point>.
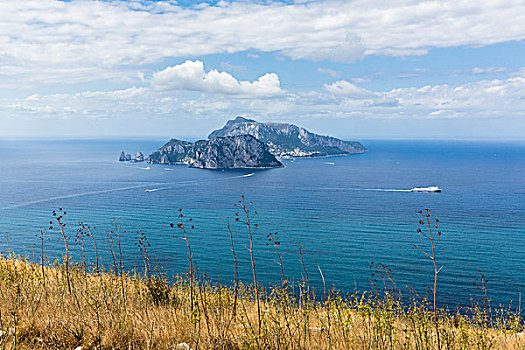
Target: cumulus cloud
<point>191,76</point>
<point>95,38</point>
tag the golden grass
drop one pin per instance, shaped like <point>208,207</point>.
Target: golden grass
<point>108,311</point>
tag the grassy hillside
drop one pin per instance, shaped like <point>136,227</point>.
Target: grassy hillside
<point>70,304</point>
<point>107,311</point>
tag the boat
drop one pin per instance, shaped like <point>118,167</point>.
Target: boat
<point>151,190</point>
<point>426,189</point>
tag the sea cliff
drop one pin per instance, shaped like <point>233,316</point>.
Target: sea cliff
<point>242,151</point>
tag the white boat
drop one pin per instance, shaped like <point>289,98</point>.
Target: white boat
<point>146,168</point>
<point>426,189</point>
<point>151,190</point>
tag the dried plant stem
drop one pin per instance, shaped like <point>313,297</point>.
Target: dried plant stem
<point>61,228</point>
<point>235,277</point>
<point>432,234</point>
<point>191,272</point>
<point>247,222</point>
<point>41,236</point>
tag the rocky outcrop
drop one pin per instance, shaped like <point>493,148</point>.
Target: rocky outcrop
<point>139,157</point>
<point>235,152</point>
<point>173,152</point>
<point>122,157</point>
<point>288,140</point>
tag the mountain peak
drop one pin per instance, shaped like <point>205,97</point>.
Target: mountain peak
<point>240,119</point>
<point>288,140</point>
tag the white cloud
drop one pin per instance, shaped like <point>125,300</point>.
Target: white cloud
<point>191,76</point>
<point>361,80</point>
<point>488,70</point>
<point>347,50</point>
<point>227,65</point>
<point>477,99</point>
<point>90,40</point>
<point>90,104</point>
<point>481,99</point>
<point>328,71</point>
<point>346,89</point>
<point>484,99</point>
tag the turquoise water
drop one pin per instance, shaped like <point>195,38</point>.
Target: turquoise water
<point>346,211</point>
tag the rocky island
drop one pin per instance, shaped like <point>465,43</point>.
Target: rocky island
<point>246,143</point>
<point>288,140</point>
<point>231,152</point>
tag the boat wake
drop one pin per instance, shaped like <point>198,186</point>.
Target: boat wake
<point>426,189</point>
<point>127,188</point>
<point>385,190</point>
<point>68,196</point>
<point>430,189</point>
<point>153,189</point>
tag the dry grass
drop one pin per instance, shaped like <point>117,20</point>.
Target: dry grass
<point>106,311</point>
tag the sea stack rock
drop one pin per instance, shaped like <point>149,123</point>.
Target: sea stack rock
<point>122,157</point>
<point>139,157</point>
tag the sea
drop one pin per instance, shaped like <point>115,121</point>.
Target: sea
<point>347,214</point>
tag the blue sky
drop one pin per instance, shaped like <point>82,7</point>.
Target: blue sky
<point>353,69</point>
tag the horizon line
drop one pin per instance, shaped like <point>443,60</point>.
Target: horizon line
<point>187,137</point>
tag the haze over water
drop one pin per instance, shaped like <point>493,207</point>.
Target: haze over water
<point>347,211</point>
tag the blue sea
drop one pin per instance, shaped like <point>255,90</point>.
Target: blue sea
<point>347,212</point>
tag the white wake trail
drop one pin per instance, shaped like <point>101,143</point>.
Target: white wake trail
<point>90,193</point>
<point>382,190</point>
<point>74,195</point>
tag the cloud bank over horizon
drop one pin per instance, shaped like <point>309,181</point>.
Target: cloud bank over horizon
<point>228,97</point>
<point>324,60</point>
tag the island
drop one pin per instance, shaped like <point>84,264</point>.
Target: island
<point>231,152</point>
<point>288,140</point>
<point>245,143</point>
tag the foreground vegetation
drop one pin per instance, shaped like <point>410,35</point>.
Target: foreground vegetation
<point>68,304</point>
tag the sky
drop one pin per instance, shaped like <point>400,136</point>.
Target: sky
<point>361,69</point>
